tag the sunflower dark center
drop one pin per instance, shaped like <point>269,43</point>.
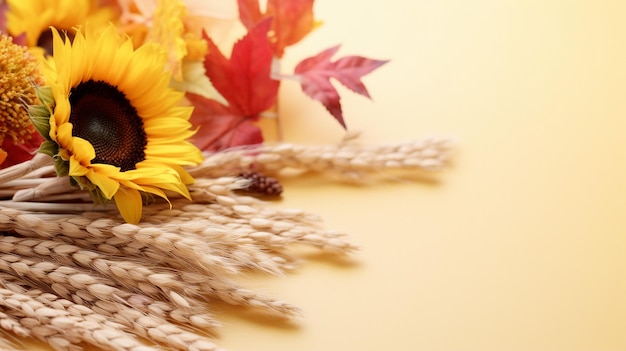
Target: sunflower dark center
<point>102,115</point>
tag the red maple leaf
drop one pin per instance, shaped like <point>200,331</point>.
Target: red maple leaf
<point>245,83</point>
<point>219,126</point>
<point>315,73</point>
<point>245,79</point>
<point>292,20</point>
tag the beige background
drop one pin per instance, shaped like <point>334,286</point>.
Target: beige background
<point>520,246</point>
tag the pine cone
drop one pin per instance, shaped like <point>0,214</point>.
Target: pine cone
<point>261,184</point>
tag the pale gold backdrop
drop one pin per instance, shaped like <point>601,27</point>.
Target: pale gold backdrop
<point>520,244</point>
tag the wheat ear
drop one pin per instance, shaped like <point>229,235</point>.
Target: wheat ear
<point>348,158</point>
<point>154,282</point>
<point>59,327</point>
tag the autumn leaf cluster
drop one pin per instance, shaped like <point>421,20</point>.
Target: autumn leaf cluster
<point>249,86</point>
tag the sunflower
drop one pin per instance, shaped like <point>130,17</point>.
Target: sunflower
<point>35,17</point>
<point>111,121</point>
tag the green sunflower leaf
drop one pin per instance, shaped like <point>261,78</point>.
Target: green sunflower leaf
<point>41,123</point>
<point>49,148</point>
<point>45,96</point>
<point>61,166</point>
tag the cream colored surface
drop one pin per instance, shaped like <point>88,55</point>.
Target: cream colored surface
<point>520,246</point>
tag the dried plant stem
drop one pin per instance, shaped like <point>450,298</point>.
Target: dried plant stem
<point>250,218</point>
<point>346,158</point>
<point>64,324</point>
<point>55,207</point>
<point>11,324</point>
<point>148,237</point>
<point>129,274</point>
<point>120,317</point>
<point>26,168</point>
<point>78,285</point>
<point>183,237</point>
<point>233,294</point>
<point>183,234</point>
<point>154,282</point>
<point>43,190</point>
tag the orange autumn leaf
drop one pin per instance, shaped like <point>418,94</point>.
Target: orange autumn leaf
<point>3,156</point>
<point>292,20</point>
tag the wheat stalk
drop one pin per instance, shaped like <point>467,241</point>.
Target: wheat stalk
<point>26,168</point>
<point>62,325</point>
<point>82,287</point>
<point>120,317</point>
<point>12,324</point>
<point>347,158</point>
<point>154,282</point>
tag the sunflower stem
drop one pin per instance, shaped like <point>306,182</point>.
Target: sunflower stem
<point>54,207</point>
<point>52,186</point>
<point>22,169</point>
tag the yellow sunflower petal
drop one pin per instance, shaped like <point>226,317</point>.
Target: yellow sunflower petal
<point>64,136</point>
<point>158,192</point>
<point>175,123</point>
<point>147,175</point>
<point>79,58</point>
<point>82,149</point>
<point>168,178</point>
<point>129,204</point>
<point>62,108</point>
<point>107,64</point>
<point>175,187</point>
<point>76,169</point>
<point>53,129</point>
<point>107,185</point>
<point>184,175</point>
<point>170,152</point>
<point>34,17</point>
<point>118,73</point>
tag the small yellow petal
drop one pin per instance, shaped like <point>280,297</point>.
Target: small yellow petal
<point>129,204</point>
<point>108,186</point>
<point>76,169</point>
<point>64,136</point>
<point>156,191</point>
<point>82,149</point>
<point>184,175</point>
<point>53,129</point>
